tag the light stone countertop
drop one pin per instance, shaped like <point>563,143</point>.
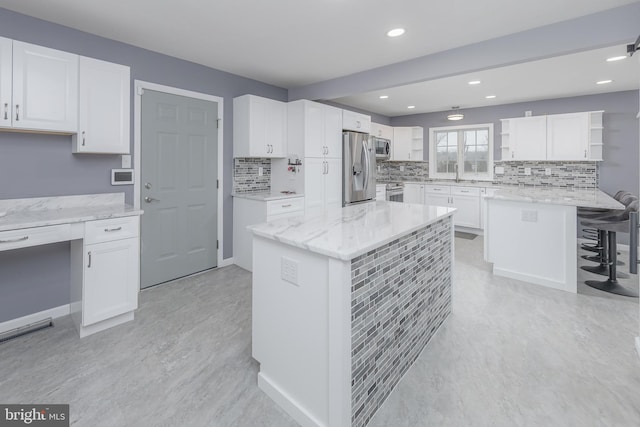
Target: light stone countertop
<point>345,233</point>
<point>265,197</point>
<point>583,198</point>
<point>17,214</point>
<point>481,184</point>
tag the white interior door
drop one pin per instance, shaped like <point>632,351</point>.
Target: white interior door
<point>178,193</point>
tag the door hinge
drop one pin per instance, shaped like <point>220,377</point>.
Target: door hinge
<point>217,244</point>
<point>217,183</point>
<point>140,91</point>
<point>218,124</point>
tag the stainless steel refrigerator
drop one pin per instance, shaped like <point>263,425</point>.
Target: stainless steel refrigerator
<point>359,168</point>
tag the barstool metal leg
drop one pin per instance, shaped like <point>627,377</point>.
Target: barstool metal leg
<point>612,285</point>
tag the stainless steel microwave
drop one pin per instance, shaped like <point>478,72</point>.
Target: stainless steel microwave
<point>382,147</point>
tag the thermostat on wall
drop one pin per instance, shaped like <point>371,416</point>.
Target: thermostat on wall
<point>121,176</point>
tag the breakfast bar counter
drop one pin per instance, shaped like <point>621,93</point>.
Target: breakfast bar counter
<point>343,304</point>
<point>531,233</point>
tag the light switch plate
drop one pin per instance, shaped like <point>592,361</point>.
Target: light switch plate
<point>547,171</point>
<point>260,171</point>
<point>499,170</point>
<point>527,113</point>
<point>530,216</point>
<point>401,168</point>
<point>527,171</point>
<point>126,161</point>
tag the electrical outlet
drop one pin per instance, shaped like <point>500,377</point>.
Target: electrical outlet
<point>260,171</point>
<point>527,171</point>
<point>527,113</point>
<point>379,168</point>
<point>126,161</point>
<point>499,170</point>
<point>547,171</point>
<point>530,216</point>
<point>401,168</point>
<point>289,270</point>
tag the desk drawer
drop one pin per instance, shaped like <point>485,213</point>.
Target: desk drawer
<point>106,230</point>
<point>277,207</point>
<point>437,189</point>
<point>465,191</point>
<point>16,239</point>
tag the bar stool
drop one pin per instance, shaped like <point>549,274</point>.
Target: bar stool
<point>612,225</point>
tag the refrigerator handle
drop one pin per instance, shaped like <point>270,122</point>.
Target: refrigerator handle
<point>367,156</point>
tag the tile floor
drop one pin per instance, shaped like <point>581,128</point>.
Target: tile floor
<point>511,354</point>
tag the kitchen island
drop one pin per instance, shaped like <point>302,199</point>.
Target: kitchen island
<point>531,233</point>
<point>343,304</point>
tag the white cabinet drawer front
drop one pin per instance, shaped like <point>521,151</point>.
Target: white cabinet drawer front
<point>111,229</point>
<point>437,189</point>
<point>277,207</point>
<point>465,191</point>
<point>26,237</point>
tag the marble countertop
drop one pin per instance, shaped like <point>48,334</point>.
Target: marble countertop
<point>17,214</point>
<point>345,233</point>
<point>265,197</point>
<point>583,198</point>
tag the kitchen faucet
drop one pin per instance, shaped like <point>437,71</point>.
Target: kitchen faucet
<point>457,174</point>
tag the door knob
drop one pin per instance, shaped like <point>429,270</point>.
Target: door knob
<point>150,199</point>
<point>147,185</point>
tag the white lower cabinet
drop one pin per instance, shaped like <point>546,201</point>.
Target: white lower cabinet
<point>322,183</point>
<point>247,212</point>
<point>105,269</point>
<point>110,280</point>
<point>414,193</point>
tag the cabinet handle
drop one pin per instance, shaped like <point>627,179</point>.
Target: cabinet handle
<point>17,112</point>
<point>287,206</point>
<point>512,154</point>
<point>327,167</point>
<point>83,138</point>
<point>6,111</point>
<point>585,154</point>
<point>109,230</point>
<point>409,156</point>
<point>463,191</point>
<point>358,124</point>
<point>19,239</point>
<point>89,264</point>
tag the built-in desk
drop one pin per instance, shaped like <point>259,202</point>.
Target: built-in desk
<point>105,254</point>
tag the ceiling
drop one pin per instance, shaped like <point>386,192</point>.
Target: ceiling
<point>559,77</point>
<point>295,43</point>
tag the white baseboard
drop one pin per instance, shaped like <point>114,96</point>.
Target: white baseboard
<point>226,262</point>
<point>287,403</point>
<point>54,313</point>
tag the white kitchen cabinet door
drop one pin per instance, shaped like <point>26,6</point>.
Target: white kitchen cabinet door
<point>568,136</point>
<point>45,88</point>
<point>401,147</point>
<point>314,177</point>
<point>355,121</point>
<point>259,127</point>
<point>333,183</point>
<point>468,213</point>
<point>413,193</point>
<point>6,61</point>
<point>528,138</point>
<point>314,145</point>
<point>110,286</point>
<point>333,132</point>
<point>382,131</point>
<point>103,124</point>
<point>438,200</point>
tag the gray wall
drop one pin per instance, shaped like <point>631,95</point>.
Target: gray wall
<point>42,165</point>
<point>619,170</point>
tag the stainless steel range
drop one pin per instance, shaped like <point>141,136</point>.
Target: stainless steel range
<point>395,192</point>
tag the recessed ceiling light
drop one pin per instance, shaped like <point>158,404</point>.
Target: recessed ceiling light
<point>395,32</point>
<point>411,107</point>
<point>616,58</point>
<point>490,96</point>
<point>475,82</point>
<point>603,82</point>
<point>384,96</point>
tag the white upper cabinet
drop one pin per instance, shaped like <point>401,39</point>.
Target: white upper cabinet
<point>315,130</point>
<point>382,131</point>
<point>104,108</point>
<point>356,121</point>
<point>554,137</point>
<point>528,138</point>
<point>568,136</point>
<point>407,144</point>
<point>44,89</point>
<point>259,127</point>
<point>5,82</point>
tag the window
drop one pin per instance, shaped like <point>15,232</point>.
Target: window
<point>465,151</point>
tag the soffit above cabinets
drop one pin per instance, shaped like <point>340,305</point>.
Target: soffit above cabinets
<point>291,44</point>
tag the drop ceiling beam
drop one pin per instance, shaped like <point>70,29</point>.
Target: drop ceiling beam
<point>614,26</point>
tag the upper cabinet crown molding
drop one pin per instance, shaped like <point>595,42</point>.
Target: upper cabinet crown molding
<point>44,88</point>
<point>554,137</point>
<point>259,127</point>
<point>104,118</point>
